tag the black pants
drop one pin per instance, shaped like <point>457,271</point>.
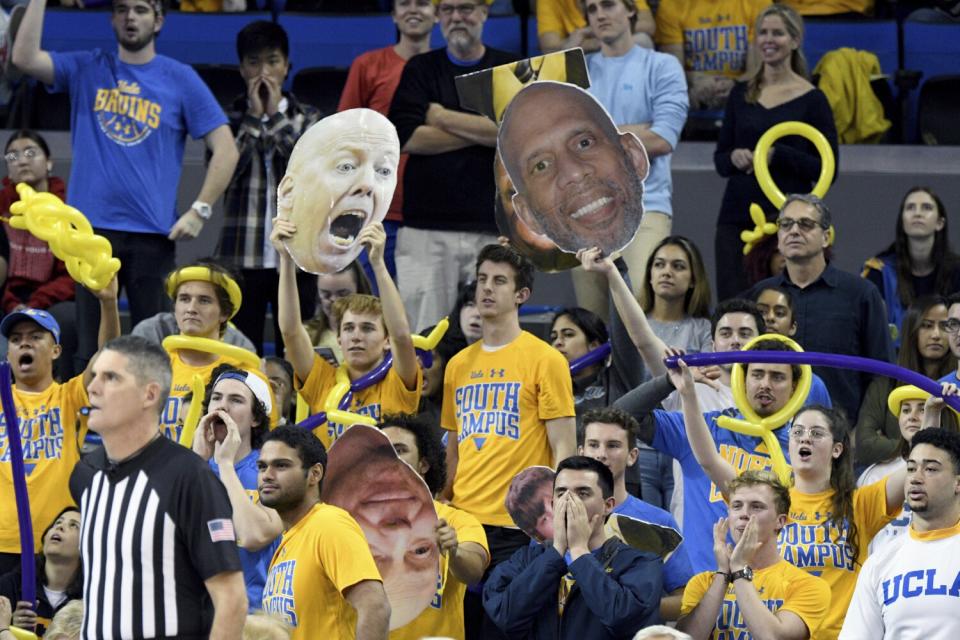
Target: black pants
<point>503,542</point>
<point>728,253</point>
<point>145,259</point>
<point>260,290</point>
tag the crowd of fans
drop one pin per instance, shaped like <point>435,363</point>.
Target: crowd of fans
<point>227,535</point>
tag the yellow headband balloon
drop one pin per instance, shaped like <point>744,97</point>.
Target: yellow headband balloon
<point>907,392</point>
<point>88,257</point>
<point>752,424</point>
<point>761,169</point>
<point>204,274</point>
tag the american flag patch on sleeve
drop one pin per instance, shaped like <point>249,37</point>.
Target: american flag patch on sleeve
<point>221,530</point>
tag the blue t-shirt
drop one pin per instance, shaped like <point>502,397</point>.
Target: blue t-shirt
<point>677,570</point>
<point>129,125</point>
<point>703,504</point>
<point>818,393</point>
<point>255,563</point>
<point>644,86</point>
<point>951,377</point>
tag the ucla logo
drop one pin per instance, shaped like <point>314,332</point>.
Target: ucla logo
<point>920,582</point>
<point>124,116</point>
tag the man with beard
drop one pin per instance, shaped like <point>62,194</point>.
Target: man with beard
<point>579,181</point>
<point>131,112</point>
<point>322,580</point>
<point>910,589</point>
<point>447,183</point>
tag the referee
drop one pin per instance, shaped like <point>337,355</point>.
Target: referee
<point>157,541</point>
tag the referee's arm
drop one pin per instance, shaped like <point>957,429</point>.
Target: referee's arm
<point>229,597</point>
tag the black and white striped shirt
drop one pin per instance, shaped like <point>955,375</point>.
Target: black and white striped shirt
<point>153,528</point>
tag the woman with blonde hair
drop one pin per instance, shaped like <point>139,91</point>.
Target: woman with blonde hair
<point>778,90</point>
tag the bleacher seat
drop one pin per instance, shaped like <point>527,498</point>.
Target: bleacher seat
<point>938,110</point>
<point>878,36</point>
<point>334,41</point>
<point>320,87</point>
<point>224,81</point>
<point>933,49</point>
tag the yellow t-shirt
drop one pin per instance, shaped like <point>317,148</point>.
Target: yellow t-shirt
<point>317,559</point>
<point>51,432</point>
<point>830,7</point>
<point>497,402</point>
<point>819,548</point>
<point>715,35</point>
<point>444,617</point>
<point>183,378</point>
<point>389,395</point>
<point>782,587</point>
<point>565,16</point>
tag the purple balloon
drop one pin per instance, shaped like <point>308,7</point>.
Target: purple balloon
<point>856,363</point>
<point>28,581</point>
<point>312,422</point>
<point>366,380</point>
<point>591,357</point>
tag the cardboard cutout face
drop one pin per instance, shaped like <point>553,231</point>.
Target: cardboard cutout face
<point>340,179</point>
<point>579,180</point>
<point>529,502</point>
<point>393,506</point>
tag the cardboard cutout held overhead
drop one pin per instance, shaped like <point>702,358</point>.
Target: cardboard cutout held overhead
<point>579,180</point>
<point>340,179</point>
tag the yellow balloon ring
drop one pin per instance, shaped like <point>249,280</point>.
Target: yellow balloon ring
<point>218,347</point>
<point>752,424</point>
<point>204,274</point>
<point>793,128</point>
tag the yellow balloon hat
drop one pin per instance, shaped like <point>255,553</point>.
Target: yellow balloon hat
<point>205,274</point>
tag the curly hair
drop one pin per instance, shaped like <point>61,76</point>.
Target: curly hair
<point>429,446</point>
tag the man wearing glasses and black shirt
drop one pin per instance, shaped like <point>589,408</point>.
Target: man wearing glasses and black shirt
<point>836,312</point>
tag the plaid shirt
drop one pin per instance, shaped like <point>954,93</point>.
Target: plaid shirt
<point>250,201</point>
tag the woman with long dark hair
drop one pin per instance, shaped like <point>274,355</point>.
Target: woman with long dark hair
<point>924,349</point>
<point>59,574</point>
<point>919,262</point>
<point>831,520</point>
<point>778,91</point>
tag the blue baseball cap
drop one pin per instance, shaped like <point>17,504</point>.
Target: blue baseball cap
<point>39,316</point>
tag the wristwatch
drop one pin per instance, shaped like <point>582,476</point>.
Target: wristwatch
<point>203,209</point>
<point>746,573</point>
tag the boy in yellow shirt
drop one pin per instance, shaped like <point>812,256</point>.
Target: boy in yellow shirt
<point>367,329</point>
<point>753,588</point>
<point>51,427</point>
<point>322,580</point>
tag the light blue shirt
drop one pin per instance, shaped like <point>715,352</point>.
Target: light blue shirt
<point>644,86</point>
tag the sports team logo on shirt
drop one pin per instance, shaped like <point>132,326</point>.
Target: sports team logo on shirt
<point>124,116</point>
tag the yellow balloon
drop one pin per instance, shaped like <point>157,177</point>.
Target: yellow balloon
<point>204,274</point>
<point>828,164</point>
<point>88,257</point>
<point>207,345</point>
<point>193,414</point>
<point>430,341</point>
<point>21,634</point>
<point>303,409</point>
<point>763,428</point>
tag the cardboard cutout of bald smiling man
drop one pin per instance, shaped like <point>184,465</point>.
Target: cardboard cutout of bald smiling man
<point>579,180</point>
<point>340,179</point>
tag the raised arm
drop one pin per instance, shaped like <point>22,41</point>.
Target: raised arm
<point>109,320</point>
<point>27,54</point>
<point>651,347</point>
<point>394,316</point>
<point>298,349</point>
<point>704,448</point>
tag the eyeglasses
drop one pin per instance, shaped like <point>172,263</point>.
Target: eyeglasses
<point>950,326</point>
<point>815,433</point>
<point>29,153</point>
<point>447,10</point>
<point>805,224</point>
